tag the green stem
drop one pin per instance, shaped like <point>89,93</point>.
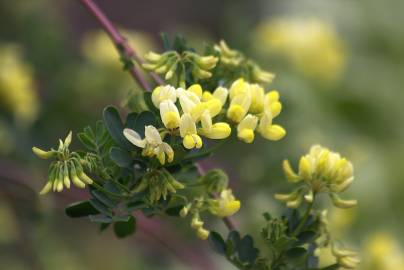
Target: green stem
<point>304,219</point>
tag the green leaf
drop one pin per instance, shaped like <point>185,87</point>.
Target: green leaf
<point>123,229</point>
<point>149,103</point>
<point>115,127</point>
<point>174,211</point>
<point>131,120</point>
<point>87,141</point>
<point>295,253</point>
<point>104,226</point>
<point>100,219</point>
<point>125,218</point>
<point>142,120</point>
<point>100,207</point>
<point>217,243</point>
<point>246,250</point>
<point>306,237</point>
<point>267,216</point>
<point>103,198</point>
<point>166,42</point>
<point>120,157</point>
<point>81,209</point>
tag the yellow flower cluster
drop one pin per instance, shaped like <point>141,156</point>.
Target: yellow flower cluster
<point>383,252</point>
<point>17,88</point>
<point>190,114</point>
<point>194,115</point>
<point>253,109</point>
<point>311,45</point>
<point>321,171</point>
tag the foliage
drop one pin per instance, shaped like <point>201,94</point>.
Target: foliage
<point>147,161</point>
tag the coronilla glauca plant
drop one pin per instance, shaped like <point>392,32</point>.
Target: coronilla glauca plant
<point>147,161</point>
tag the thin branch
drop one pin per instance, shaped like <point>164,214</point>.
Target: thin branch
<point>120,43</point>
<point>123,47</point>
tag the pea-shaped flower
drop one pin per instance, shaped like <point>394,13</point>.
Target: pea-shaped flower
<point>320,171</point>
<point>226,205</point>
<point>152,144</point>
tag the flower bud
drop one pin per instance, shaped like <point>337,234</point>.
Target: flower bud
<point>46,188</point>
<point>43,154</point>
<point>153,57</point>
<point>202,233</point>
<point>290,174</point>
<point>200,73</point>
<point>338,202</point>
<point>206,62</point>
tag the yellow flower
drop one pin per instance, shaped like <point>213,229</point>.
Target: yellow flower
<point>257,98</point>
<point>169,114</point>
<point>226,205</point>
<point>268,130</point>
<point>152,144</point>
<point>196,89</point>
<point>17,88</point>
<point>345,258</point>
<point>382,251</point>
<point>220,130</point>
<point>311,45</point>
<point>188,132</point>
<point>323,171</point>
<point>245,129</point>
<point>220,93</point>
<point>202,233</point>
<point>162,93</point>
<point>239,106</point>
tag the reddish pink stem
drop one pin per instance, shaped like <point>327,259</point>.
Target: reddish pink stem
<point>121,44</point>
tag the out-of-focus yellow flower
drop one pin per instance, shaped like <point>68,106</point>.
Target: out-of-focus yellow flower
<point>17,88</point>
<point>98,48</point>
<point>321,171</point>
<point>383,252</point>
<point>310,44</point>
<point>346,258</point>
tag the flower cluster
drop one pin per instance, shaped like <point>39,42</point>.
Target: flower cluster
<point>233,59</point>
<point>173,63</point>
<point>159,184</point>
<point>68,167</point>
<point>251,109</point>
<point>17,86</point>
<point>311,45</point>
<point>321,171</point>
<point>190,113</point>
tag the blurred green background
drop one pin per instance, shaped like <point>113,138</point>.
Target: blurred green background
<point>340,72</point>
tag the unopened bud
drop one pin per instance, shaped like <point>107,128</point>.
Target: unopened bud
<point>43,154</point>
